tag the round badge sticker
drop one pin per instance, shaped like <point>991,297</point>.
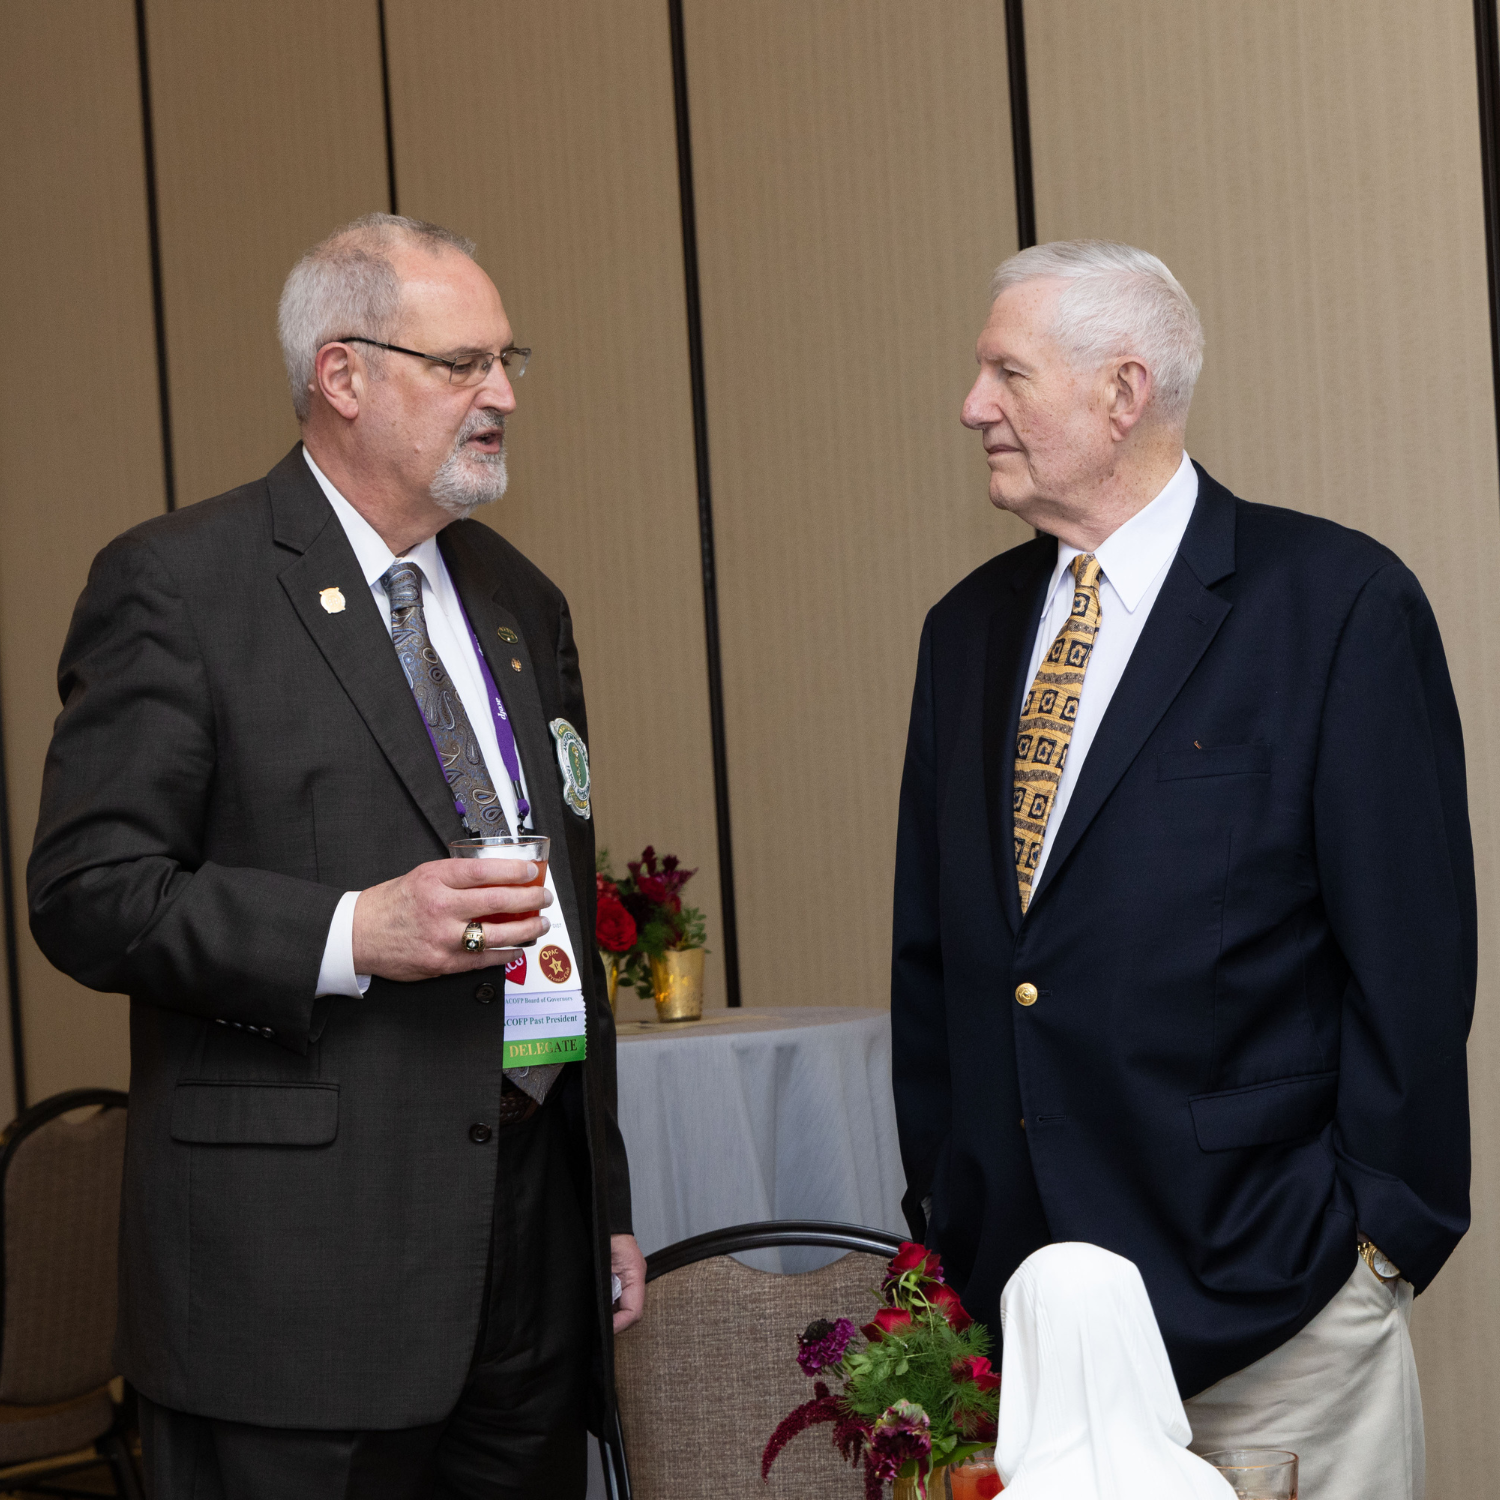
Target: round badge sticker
<point>573,762</point>
<point>555,964</point>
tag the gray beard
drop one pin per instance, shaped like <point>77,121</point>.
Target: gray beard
<point>467,480</point>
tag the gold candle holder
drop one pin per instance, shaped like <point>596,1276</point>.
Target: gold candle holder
<point>611,974</point>
<point>677,984</point>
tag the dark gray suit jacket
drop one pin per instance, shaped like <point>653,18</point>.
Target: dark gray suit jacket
<point>307,1221</point>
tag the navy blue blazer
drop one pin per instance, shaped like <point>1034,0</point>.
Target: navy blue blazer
<point>1254,940</point>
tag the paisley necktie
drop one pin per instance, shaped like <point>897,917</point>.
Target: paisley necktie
<point>453,738</point>
<point>1047,717</point>
<point>452,734</point>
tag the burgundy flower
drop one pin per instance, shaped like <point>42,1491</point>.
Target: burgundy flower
<point>614,927</point>
<point>822,1408</point>
<point>657,889</point>
<point>902,1434</point>
<point>823,1344</point>
<point>976,1426</point>
<point>976,1368</point>
<point>604,886</point>
<point>945,1299</point>
<point>887,1320</point>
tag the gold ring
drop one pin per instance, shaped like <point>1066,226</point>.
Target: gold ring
<point>473,938</point>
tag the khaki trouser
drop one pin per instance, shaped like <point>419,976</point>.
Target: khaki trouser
<point>1342,1395</point>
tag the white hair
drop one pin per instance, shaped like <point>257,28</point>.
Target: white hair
<point>1118,301</point>
<point>346,286</point>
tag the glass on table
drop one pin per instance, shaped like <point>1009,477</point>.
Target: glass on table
<point>1258,1473</point>
<point>976,1478</point>
<point>517,846</point>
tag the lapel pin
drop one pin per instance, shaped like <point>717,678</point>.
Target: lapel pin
<point>506,634</point>
<point>515,664</point>
<point>332,600</point>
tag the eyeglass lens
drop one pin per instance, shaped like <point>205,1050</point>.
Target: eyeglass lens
<point>472,371</point>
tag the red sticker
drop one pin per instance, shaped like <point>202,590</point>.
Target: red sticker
<point>556,964</point>
<point>515,970</point>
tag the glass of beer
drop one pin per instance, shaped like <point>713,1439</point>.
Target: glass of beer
<point>1258,1473</point>
<point>515,846</point>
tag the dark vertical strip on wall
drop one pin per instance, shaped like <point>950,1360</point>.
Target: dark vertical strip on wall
<point>385,95</point>
<point>705,502</point>
<point>12,936</point>
<point>1020,123</point>
<point>1487,50</point>
<point>158,298</point>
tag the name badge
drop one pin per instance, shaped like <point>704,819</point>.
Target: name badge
<point>544,1008</point>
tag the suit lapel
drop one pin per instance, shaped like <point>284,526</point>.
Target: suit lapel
<point>354,640</point>
<point>1012,635</point>
<point>1183,623</point>
<point>477,588</point>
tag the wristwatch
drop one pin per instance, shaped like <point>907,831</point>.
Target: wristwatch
<point>1382,1265</point>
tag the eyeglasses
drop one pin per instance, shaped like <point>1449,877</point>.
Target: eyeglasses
<point>469,370</point>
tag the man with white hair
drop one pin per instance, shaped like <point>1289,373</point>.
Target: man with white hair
<point>360,1255</point>
<point>1185,953</point>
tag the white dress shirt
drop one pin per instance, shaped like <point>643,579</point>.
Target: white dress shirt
<point>1134,560</point>
<point>449,633</point>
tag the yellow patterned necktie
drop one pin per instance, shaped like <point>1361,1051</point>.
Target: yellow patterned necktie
<point>1047,718</point>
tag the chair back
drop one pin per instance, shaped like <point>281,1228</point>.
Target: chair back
<point>59,1241</point>
<point>705,1377</point>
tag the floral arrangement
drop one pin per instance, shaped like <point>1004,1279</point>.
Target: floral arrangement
<point>642,916</point>
<point>919,1395</point>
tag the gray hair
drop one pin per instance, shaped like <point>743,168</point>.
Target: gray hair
<point>347,285</point>
<point>1118,301</point>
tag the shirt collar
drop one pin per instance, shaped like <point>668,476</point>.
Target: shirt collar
<point>1133,554</point>
<point>372,554</point>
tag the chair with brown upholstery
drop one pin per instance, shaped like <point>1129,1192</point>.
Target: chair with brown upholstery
<point>59,1233</point>
<point>705,1377</point>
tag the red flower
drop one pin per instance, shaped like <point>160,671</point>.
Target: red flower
<point>913,1257</point>
<point>887,1320</point>
<point>976,1368</point>
<point>945,1299</point>
<point>604,886</point>
<point>614,927</point>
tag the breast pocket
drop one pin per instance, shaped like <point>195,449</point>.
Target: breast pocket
<point>1213,760</point>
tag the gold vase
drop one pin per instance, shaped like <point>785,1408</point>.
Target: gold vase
<point>937,1487</point>
<point>677,983</point>
<point>611,974</point>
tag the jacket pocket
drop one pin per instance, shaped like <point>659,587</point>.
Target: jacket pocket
<point>1215,760</point>
<point>1265,1113</point>
<point>255,1114</point>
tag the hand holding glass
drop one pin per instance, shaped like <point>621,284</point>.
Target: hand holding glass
<point>511,846</point>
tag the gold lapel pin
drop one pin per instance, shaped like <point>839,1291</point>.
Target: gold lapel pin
<point>332,600</point>
<point>515,664</point>
<point>506,634</point>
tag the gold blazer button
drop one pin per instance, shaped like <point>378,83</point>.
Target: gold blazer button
<point>1025,994</point>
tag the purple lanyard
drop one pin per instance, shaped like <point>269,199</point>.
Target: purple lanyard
<point>504,734</point>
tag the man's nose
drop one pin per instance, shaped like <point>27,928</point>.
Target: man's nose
<point>979,408</point>
<point>497,393</point>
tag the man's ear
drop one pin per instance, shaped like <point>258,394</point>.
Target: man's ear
<point>1130,393</point>
<point>339,378</point>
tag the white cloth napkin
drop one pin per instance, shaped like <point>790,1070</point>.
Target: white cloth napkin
<point>1088,1406</point>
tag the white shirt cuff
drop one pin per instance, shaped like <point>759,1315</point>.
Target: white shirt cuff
<point>336,976</point>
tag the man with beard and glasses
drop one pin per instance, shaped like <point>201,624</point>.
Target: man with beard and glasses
<point>360,1255</point>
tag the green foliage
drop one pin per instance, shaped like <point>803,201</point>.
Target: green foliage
<point>917,1365</point>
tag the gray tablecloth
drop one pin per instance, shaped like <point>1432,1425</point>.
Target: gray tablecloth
<point>760,1114</point>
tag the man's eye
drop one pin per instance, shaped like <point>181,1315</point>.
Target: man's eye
<point>463,367</point>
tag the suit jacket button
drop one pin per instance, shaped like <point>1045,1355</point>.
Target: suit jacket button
<point>480,1133</point>
<point>1025,994</point>
<point>485,993</point>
